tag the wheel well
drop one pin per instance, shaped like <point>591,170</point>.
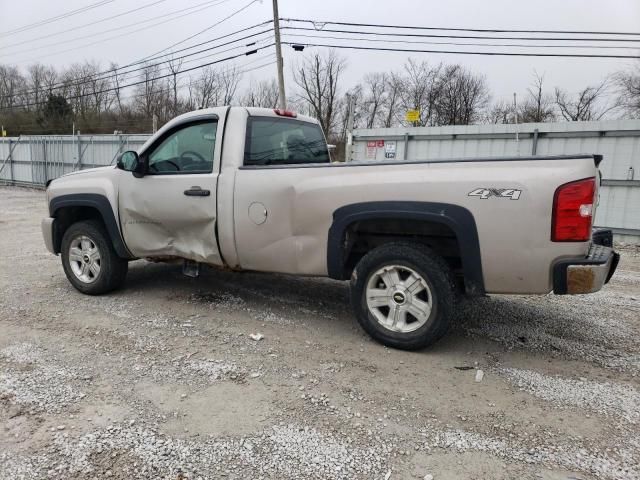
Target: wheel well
<point>362,236</point>
<point>67,216</point>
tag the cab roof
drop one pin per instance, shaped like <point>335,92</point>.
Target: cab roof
<point>220,112</point>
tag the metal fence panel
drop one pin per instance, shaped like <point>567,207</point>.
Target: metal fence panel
<point>38,158</point>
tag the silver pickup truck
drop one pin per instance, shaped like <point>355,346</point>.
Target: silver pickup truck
<point>255,189</point>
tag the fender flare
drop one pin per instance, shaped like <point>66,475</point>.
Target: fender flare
<point>458,218</point>
<point>103,206</point>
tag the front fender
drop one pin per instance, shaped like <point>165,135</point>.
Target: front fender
<point>102,205</point>
<point>96,189</point>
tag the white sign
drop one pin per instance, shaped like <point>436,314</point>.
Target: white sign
<point>390,149</point>
<point>371,152</point>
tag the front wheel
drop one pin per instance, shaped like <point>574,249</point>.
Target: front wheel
<point>403,295</point>
<point>89,260</point>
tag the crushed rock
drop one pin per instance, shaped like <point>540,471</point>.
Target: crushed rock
<point>35,379</point>
<point>585,328</point>
<point>609,399</point>
<point>283,451</point>
<point>599,463</point>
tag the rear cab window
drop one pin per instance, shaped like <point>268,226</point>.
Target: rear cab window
<point>284,141</point>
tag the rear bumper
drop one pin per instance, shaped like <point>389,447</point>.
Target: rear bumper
<point>47,225</point>
<point>585,275</point>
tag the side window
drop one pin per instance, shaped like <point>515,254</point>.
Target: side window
<point>188,150</point>
<point>280,141</point>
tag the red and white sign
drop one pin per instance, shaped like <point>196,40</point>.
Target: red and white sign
<point>380,143</point>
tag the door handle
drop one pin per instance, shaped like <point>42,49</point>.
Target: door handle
<point>197,192</point>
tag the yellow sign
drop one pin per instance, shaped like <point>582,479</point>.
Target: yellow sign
<point>412,115</point>
<point>4,133</point>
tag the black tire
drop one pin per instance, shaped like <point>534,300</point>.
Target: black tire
<point>433,270</point>
<point>113,269</point>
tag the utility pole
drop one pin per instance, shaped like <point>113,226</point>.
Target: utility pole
<point>515,111</point>
<point>282,101</point>
<point>175,95</point>
<point>349,146</point>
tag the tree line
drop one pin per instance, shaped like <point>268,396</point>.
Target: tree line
<point>45,100</point>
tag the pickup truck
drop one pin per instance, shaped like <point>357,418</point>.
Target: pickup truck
<point>255,189</point>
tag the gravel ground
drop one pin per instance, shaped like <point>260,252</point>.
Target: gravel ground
<point>165,379</point>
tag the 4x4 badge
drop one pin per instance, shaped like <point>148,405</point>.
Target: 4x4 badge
<point>485,193</point>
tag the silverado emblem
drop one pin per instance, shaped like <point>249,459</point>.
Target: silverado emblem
<point>485,193</point>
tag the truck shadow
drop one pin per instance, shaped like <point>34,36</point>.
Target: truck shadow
<point>570,326</point>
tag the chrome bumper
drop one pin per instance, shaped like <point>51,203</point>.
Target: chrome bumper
<point>585,275</point>
<point>47,232</point>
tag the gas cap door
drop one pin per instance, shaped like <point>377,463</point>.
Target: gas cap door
<point>257,213</point>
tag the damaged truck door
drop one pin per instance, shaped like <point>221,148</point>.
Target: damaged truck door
<point>167,206</point>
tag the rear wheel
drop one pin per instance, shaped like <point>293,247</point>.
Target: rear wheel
<point>403,295</point>
<point>89,259</point>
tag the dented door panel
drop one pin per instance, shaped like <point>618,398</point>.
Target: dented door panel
<point>172,210</point>
<point>159,220</point>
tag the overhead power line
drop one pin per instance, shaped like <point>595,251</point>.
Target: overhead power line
<point>233,14</point>
<point>477,37</point>
<point>84,25</point>
<point>116,72</point>
<point>139,82</point>
<point>136,25</point>
<point>471,44</point>
<point>452,52</point>
<point>46,21</point>
<point>114,123</point>
<point>320,25</point>
<point>112,71</point>
<point>197,82</point>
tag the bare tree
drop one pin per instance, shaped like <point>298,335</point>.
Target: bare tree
<point>588,104</point>
<point>420,89</point>
<point>228,80</point>
<point>50,80</point>
<point>500,112</point>
<point>174,68</point>
<point>35,84</point>
<point>212,87</point>
<point>628,89</point>
<point>538,106</point>
<point>116,86</point>
<point>11,87</point>
<point>393,97</point>
<point>150,95</point>
<point>375,85</point>
<point>462,97</point>
<point>203,89</point>
<point>99,87</point>
<point>318,79</point>
<point>87,90</point>
<point>261,94</point>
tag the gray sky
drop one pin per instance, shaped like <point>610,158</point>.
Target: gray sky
<point>504,74</point>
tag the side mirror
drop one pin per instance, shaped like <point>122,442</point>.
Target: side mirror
<point>130,162</point>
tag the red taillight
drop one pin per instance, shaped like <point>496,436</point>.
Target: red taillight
<point>285,113</point>
<point>573,211</point>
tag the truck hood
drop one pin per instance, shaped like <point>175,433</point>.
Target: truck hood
<point>89,171</point>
